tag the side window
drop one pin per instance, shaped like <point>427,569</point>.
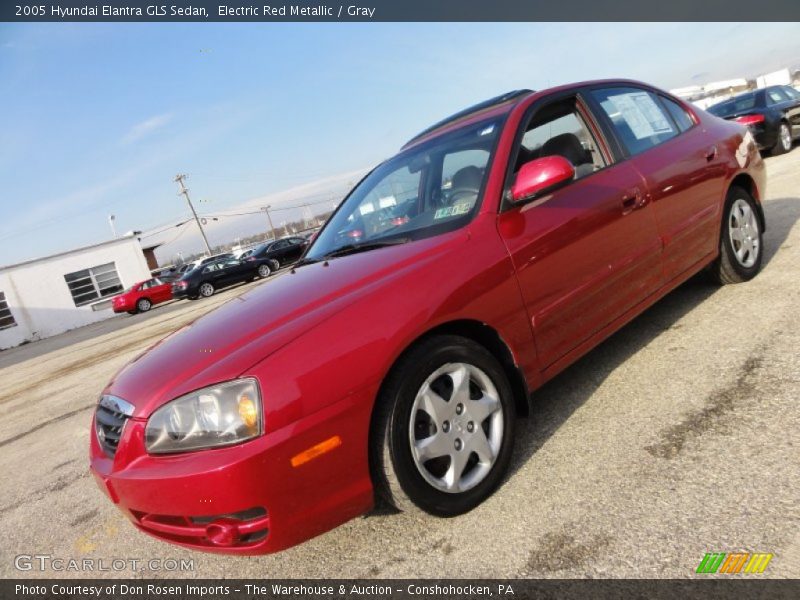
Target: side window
<point>791,92</point>
<point>560,130</point>
<point>679,114</point>
<point>280,245</point>
<point>636,116</point>
<point>775,96</point>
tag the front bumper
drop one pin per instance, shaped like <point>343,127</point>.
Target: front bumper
<point>248,498</point>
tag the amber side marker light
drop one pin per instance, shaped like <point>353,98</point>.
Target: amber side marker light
<point>326,446</point>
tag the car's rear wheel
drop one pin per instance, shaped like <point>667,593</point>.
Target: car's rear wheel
<point>206,289</point>
<point>784,143</point>
<point>264,271</point>
<point>443,429</point>
<point>741,239</point>
<point>275,264</point>
<point>143,305</point>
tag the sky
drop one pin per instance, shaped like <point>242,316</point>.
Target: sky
<point>97,119</point>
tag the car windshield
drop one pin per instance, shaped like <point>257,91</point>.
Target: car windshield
<point>428,190</point>
<point>733,106</point>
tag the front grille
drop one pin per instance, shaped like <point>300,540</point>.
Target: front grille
<point>110,418</point>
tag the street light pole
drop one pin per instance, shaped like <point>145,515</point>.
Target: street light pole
<point>269,218</point>
<point>179,180</point>
<point>111,219</point>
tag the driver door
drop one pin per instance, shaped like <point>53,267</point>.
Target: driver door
<point>587,252</point>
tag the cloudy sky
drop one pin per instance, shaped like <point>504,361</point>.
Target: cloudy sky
<point>97,119</point>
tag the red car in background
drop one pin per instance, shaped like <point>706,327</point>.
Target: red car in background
<point>142,296</point>
<point>494,250</point>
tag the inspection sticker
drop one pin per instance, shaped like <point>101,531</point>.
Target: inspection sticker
<point>461,208</point>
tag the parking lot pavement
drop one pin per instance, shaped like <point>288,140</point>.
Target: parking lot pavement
<point>676,437</point>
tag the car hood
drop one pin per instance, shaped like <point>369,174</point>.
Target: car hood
<point>229,340</point>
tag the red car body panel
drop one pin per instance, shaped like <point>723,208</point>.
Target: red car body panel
<point>128,301</point>
<point>551,278</point>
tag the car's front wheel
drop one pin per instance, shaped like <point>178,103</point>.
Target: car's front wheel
<point>443,429</point>
<point>741,239</point>
<point>264,271</point>
<point>784,143</point>
<point>206,290</point>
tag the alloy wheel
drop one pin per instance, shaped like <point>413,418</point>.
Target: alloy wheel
<point>744,234</point>
<point>456,427</point>
<point>786,138</point>
<point>263,271</point>
<point>206,290</point>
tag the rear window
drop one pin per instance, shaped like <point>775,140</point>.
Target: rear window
<point>733,106</point>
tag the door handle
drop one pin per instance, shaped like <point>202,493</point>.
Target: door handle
<point>711,153</point>
<point>631,201</point>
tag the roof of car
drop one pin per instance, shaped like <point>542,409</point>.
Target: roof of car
<point>488,108</point>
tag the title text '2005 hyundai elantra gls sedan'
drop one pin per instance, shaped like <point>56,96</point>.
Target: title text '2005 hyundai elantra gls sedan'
<point>455,279</point>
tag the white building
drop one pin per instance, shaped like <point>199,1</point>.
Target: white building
<point>46,296</point>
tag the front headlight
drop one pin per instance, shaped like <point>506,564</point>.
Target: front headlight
<point>219,415</point>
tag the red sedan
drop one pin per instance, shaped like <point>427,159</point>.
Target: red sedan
<point>141,297</point>
<point>495,249</point>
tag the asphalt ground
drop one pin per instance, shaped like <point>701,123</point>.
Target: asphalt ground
<point>676,437</point>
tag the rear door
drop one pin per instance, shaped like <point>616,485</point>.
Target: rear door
<point>234,271</point>
<point>295,250</point>
<point>589,251</point>
<point>161,291</point>
<point>681,165</point>
<point>280,251</point>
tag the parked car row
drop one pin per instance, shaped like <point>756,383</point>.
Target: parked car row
<point>203,277</point>
<point>772,114</point>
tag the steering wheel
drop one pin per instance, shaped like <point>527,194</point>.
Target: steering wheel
<point>462,195</point>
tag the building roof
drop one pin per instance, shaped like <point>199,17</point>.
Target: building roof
<point>67,252</point>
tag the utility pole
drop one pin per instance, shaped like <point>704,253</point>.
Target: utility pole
<point>179,180</point>
<point>269,218</point>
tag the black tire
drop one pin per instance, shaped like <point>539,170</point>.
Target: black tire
<point>143,305</point>
<point>398,478</point>
<point>784,137</point>
<point>204,288</point>
<point>728,268</point>
<point>264,271</point>
<point>275,264</point>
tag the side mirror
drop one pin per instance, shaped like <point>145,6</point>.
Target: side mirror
<point>541,175</point>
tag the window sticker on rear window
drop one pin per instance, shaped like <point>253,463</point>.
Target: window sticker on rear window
<point>641,114</point>
<point>461,208</point>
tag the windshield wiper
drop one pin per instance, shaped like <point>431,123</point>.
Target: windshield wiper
<point>351,249</point>
<point>364,246</point>
<point>305,261</point>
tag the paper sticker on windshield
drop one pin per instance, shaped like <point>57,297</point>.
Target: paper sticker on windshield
<point>461,208</point>
<point>486,130</point>
<point>641,114</point>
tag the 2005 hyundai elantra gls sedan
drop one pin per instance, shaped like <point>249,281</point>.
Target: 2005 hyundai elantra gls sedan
<point>456,278</point>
